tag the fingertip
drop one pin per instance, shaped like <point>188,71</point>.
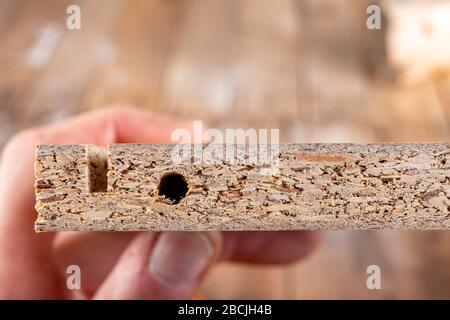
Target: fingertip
<point>310,240</point>
<point>19,142</point>
<point>180,260</point>
<point>269,247</point>
<point>170,265</point>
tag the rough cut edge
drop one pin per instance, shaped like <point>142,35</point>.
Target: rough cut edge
<point>321,186</point>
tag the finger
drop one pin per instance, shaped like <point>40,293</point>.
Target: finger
<point>97,253</point>
<point>273,247</point>
<point>170,265</point>
<point>113,125</point>
<point>26,265</point>
<point>29,259</point>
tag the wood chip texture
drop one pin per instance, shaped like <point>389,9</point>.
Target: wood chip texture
<point>317,186</point>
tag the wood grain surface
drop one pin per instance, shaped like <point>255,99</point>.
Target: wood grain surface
<point>310,68</point>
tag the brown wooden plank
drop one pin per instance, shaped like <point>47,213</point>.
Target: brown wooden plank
<point>265,58</point>
<point>23,26</point>
<point>442,87</point>
<point>240,281</point>
<point>80,55</point>
<point>401,114</point>
<point>141,39</point>
<point>199,80</point>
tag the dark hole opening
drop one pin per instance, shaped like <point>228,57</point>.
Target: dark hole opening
<point>173,186</point>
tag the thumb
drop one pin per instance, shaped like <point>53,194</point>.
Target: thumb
<point>169,265</point>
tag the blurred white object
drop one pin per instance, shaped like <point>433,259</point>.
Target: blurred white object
<point>418,38</point>
<point>45,46</point>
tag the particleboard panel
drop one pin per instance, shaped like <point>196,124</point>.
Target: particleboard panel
<point>132,187</point>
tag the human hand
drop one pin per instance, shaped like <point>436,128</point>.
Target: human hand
<point>127,265</point>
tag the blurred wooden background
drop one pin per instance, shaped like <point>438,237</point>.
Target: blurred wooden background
<point>310,68</point>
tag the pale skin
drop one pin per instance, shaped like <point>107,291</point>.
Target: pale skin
<point>131,265</point>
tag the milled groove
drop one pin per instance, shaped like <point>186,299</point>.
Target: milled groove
<point>97,167</point>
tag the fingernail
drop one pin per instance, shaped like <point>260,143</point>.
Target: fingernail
<point>179,258</point>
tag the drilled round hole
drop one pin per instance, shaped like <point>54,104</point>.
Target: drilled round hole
<point>173,186</point>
